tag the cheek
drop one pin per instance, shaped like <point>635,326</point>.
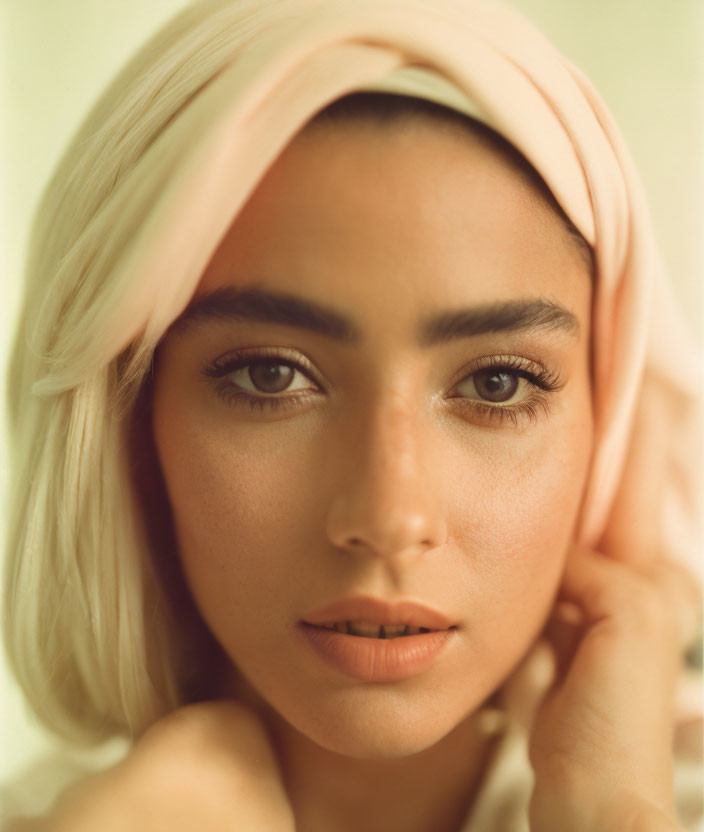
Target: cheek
<point>518,525</point>
<point>239,510</point>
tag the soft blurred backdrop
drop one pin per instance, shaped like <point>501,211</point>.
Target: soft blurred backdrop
<point>645,57</point>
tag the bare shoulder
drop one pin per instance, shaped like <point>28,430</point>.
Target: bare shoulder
<point>208,765</point>
<point>218,733</point>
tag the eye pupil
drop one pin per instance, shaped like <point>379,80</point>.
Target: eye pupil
<point>495,386</point>
<point>270,376</point>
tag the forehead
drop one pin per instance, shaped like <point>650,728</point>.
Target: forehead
<point>387,219</point>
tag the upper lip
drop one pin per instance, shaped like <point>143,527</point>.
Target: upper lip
<point>381,612</point>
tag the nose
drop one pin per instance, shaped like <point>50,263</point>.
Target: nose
<point>388,505</point>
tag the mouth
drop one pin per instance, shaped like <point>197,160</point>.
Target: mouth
<point>377,617</point>
<point>365,629</point>
<point>370,651</point>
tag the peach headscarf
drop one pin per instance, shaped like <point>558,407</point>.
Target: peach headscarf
<point>295,56</point>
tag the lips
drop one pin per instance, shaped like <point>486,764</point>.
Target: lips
<point>373,640</point>
<point>375,612</point>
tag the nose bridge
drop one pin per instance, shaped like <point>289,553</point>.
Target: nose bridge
<point>386,503</point>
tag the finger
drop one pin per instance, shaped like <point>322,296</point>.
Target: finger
<point>683,593</point>
<point>600,586</point>
<point>564,630</point>
<point>661,603</point>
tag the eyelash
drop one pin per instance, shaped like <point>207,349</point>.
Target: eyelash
<point>530,408</point>
<point>534,405</point>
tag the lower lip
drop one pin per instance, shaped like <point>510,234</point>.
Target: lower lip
<point>375,659</point>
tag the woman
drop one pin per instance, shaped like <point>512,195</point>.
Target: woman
<point>341,408</point>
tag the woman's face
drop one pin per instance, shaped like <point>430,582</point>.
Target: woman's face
<point>386,398</point>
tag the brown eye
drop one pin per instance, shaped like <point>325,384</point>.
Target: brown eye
<point>494,385</point>
<point>270,376</point>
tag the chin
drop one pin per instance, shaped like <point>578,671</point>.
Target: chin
<point>391,746</point>
<point>387,725</point>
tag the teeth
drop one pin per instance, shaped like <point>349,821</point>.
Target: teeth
<point>391,631</point>
<point>361,628</point>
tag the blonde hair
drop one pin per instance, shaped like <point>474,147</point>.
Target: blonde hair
<point>87,627</point>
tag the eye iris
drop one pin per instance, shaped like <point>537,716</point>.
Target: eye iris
<point>270,377</point>
<point>495,386</point>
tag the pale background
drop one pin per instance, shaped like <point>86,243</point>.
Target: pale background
<point>645,56</point>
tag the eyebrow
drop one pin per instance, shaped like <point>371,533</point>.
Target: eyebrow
<point>270,307</point>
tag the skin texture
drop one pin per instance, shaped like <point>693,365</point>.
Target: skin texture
<point>385,476</point>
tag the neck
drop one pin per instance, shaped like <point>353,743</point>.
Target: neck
<point>430,791</point>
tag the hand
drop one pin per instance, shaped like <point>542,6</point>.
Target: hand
<point>601,743</point>
<point>206,766</point>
